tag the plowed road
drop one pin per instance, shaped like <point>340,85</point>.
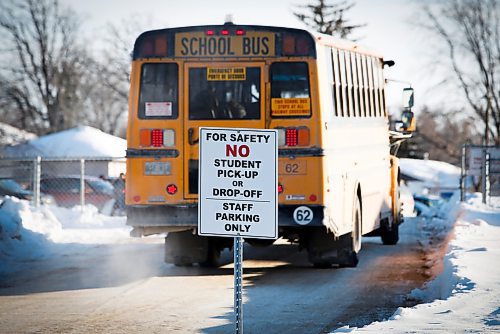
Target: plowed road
<point>127,289</point>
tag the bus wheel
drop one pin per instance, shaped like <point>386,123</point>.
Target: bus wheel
<point>321,247</point>
<point>185,248</point>
<point>212,255</point>
<point>389,233</point>
<point>351,243</point>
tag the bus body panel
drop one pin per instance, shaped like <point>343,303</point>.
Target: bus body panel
<point>345,160</point>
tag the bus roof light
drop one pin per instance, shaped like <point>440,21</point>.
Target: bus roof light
<point>224,32</point>
<point>210,32</point>
<point>240,32</point>
<point>288,45</point>
<point>160,46</point>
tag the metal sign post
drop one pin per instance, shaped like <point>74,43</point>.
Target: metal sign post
<point>237,195</point>
<point>238,285</point>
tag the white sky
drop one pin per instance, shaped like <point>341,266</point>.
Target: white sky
<point>388,30</point>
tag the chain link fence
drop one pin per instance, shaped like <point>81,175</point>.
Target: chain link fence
<point>66,182</point>
<point>480,171</point>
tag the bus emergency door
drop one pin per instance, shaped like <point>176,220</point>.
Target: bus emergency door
<point>224,94</point>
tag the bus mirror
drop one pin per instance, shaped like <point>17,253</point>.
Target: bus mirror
<point>407,98</point>
<point>408,121</point>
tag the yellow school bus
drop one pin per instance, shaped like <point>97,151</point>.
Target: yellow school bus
<point>326,97</point>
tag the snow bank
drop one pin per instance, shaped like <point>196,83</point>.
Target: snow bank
<point>430,176</point>
<point>81,141</point>
<point>465,297</point>
<point>18,243</point>
<point>28,233</point>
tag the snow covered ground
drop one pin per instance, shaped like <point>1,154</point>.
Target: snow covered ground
<point>464,298</point>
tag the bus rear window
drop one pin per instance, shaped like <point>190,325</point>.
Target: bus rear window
<point>224,93</point>
<point>290,94</point>
<point>158,97</point>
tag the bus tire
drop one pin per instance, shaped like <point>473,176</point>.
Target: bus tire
<point>348,254</point>
<point>185,248</point>
<point>389,233</point>
<point>212,255</point>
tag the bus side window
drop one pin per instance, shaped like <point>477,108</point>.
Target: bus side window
<point>343,84</point>
<point>382,88</point>
<point>372,86</point>
<point>369,86</point>
<point>337,101</point>
<point>348,83</point>
<point>376,85</point>
<point>361,86</point>
<point>355,96</point>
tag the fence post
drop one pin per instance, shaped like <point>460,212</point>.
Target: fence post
<point>37,170</point>
<point>487,177</point>
<point>462,174</point>
<point>82,183</point>
<point>483,175</point>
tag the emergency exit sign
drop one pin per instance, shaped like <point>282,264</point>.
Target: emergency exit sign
<point>238,178</point>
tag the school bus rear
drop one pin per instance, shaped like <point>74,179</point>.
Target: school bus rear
<point>224,76</point>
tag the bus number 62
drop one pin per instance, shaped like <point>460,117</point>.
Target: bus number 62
<point>292,168</point>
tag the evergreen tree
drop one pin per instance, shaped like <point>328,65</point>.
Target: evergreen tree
<point>328,18</point>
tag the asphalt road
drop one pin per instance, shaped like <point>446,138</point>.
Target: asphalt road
<point>127,289</point>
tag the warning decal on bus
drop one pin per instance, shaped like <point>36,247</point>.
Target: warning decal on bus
<point>226,74</point>
<point>158,109</point>
<point>291,107</point>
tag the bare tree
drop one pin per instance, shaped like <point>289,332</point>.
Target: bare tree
<point>328,18</point>
<point>112,75</point>
<point>470,33</point>
<point>440,137</point>
<point>43,65</point>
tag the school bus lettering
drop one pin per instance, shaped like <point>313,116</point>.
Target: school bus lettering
<point>196,44</point>
<point>206,46</point>
<point>255,46</point>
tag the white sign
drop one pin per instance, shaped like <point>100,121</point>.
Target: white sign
<point>476,160</point>
<point>238,179</point>
<point>158,109</point>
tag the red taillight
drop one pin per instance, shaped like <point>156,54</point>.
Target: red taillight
<point>313,198</point>
<point>157,137</point>
<point>291,137</point>
<point>171,189</point>
<point>280,188</point>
